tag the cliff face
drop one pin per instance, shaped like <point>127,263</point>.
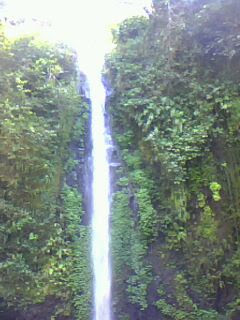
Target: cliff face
<point>174,104</point>
<point>44,260</point>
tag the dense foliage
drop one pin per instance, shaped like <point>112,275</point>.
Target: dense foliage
<point>175,111</point>
<point>44,251</point>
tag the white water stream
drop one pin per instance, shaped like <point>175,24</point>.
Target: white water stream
<point>101,202</point>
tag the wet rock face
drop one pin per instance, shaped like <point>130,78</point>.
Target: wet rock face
<point>107,86</point>
<point>36,312</point>
<point>9,315</point>
<point>86,178</point>
<point>83,88</point>
<point>113,151</point>
<point>80,177</point>
<point>235,315</point>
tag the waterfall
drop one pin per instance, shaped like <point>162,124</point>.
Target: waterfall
<point>101,201</point>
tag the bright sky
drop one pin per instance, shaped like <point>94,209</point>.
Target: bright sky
<point>84,24</point>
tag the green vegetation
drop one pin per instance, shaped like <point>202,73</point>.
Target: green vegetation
<point>44,250</point>
<point>175,110</point>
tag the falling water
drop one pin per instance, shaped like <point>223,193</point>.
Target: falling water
<point>101,205</point>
